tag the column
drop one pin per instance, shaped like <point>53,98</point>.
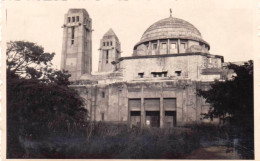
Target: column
<point>90,100</point>
<point>149,48</point>
<point>161,108</point>
<point>129,112</point>
<point>95,103</point>
<point>198,104</point>
<point>142,108</point>
<point>168,46</point>
<point>178,46</point>
<point>158,47</point>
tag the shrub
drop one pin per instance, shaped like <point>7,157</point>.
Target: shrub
<point>118,141</point>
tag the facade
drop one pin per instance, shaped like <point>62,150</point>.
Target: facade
<point>156,86</point>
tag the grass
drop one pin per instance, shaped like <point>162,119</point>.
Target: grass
<point>109,141</point>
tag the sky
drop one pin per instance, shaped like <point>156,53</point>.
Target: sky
<point>230,26</point>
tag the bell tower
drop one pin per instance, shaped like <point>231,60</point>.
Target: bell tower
<point>110,50</point>
<point>76,54</point>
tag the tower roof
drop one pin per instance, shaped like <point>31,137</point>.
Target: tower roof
<point>110,33</point>
<point>78,10</point>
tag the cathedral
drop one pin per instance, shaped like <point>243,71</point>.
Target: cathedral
<point>155,87</point>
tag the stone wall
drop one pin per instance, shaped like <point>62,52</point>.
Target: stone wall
<point>190,65</point>
<point>112,100</point>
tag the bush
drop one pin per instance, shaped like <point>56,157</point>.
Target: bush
<point>117,141</point>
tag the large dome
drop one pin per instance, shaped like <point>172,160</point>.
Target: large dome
<point>171,28</point>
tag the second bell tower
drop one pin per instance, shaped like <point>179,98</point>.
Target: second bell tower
<point>110,50</point>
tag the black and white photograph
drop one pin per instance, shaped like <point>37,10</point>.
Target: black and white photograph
<point>130,79</point>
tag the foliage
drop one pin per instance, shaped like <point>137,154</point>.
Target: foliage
<point>233,99</point>
<point>111,141</point>
<point>28,60</point>
<point>39,101</point>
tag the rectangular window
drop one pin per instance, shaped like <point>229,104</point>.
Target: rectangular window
<point>73,19</point>
<point>103,94</point>
<point>152,104</point>
<point>173,46</point>
<point>154,46</point>
<point>163,46</point>
<point>68,19</point>
<point>72,32</point>
<point>178,73</point>
<point>155,74</point>
<point>164,74</point>
<point>111,43</point>
<point>107,43</point>
<point>134,104</point>
<point>106,56</point>
<point>183,45</point>
<point>102,116</point>
<point>104,44</point>
<point>72,35</point>
<point>169,103</point>
<point>140,75</point>
<point>77,18</point>
<point>159,74</point>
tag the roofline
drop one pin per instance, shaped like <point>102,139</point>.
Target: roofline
<point>77,10</point>
<point>172,55</point>
<point>167,27</point>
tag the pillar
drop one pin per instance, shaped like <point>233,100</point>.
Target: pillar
<point>142,108</point>
<point>90,102</point>
<point>149,48</point>
<point>168,46</point>
<point>161,108</point>
<point>158,47</point>
<point>178,45</point>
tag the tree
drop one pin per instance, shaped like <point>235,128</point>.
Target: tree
<point>39,101</point>
<point>233,99</point>
<point>28,60</point>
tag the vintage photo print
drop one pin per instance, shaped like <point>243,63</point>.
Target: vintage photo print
<point>128,79</point>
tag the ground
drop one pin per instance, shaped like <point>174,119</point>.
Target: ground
<point>213,152</point>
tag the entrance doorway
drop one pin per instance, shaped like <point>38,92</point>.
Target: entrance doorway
<point>152,119</point>
<point>135,118</point>
<point>170,119</point>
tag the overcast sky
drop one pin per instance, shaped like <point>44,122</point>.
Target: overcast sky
<point>228,26</point>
